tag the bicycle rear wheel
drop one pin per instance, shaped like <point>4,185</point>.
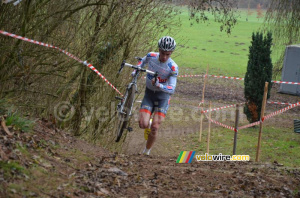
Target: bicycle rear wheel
<point>123,119</point>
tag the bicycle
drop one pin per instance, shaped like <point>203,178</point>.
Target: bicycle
<point>124,108</point>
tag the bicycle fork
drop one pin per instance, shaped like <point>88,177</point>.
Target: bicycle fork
<point>120,107</point>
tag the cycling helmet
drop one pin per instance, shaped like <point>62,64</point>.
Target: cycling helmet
<point>166,43</point>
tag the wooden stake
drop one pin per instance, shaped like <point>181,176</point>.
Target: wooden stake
<point>201,121</point>
<point>208,134</point>
<point>203,90</point>
<point>202,102</point>
<point>261,123</point>
<point>237,113</point>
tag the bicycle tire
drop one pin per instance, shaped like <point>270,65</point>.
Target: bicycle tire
<point>124,120</point>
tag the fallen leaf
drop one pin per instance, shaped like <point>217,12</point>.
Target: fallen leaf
<point>103,190</point>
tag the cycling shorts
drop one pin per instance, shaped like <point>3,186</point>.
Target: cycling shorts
<point>155,101</point>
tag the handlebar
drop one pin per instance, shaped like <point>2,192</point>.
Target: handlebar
<point>155,74</point>
<point>122,66</point>
<point>138,58</point>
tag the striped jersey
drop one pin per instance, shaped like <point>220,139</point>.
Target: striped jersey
<point>167,73</point>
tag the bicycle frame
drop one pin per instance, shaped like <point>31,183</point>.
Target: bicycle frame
<point>132,83</point>
<point>124,108</point>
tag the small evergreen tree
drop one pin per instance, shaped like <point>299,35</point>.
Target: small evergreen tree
<point>259,71</point>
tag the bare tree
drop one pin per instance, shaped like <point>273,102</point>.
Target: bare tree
<point>259,12</point>
<point>103,32</point>
<point>222,10</point>
<point>283,16</point>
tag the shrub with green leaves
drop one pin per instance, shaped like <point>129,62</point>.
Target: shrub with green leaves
<point>259,71</point>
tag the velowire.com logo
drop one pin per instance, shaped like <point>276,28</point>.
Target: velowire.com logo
<point>187,157</point>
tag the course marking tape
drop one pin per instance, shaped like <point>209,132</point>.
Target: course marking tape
<point>191,75</point>
<point>284,82</point>
<point>200,103</point>
<point>281,103</point>
<point>270,115</point>
<point>223,125</point>
<point>219,108</point>
<point>236,78</point>
<point>188,75</point>
<point>280,111</point>
<point>249,125</point>
<point>63,51</point>
<point>233,78</point>
<point>255,123</point>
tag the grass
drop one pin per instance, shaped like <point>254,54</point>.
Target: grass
<point>203,44</point>
<point>227,55</point>
<point>14,118</point>
<point>10,168</point>
<point>19,122</point>
<point>278,144</point>
<point>22,149</point>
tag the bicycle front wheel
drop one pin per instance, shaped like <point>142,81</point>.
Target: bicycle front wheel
<point>123,119</point>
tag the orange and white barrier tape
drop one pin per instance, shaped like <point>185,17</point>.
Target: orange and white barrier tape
<point>200,103</point>
<point>285,82</point>
<point>280,103</point>
<point>219,108</point>
<point>219,123</point>
<point>63,51</point>
<point>95,70</point>
<point>271,115</point>
<point>189,75</point>
<point>237,78</point>
<point>249,125</point>
<point>280,111</point>
<point>233,78</point>
<point>255,123</point>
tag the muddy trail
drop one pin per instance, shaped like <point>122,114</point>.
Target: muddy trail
<point>50,162</point>
<point>53,163</point>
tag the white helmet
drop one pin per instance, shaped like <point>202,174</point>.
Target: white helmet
<point>166,43</point>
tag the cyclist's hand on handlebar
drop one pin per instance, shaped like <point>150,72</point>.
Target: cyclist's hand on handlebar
<point>155,83</point>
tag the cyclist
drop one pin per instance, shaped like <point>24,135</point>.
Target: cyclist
<point>157,94</point>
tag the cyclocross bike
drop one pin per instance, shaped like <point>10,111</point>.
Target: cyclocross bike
<point>124,108</point>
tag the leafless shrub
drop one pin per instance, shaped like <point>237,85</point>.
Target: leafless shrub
<point>103,32</point>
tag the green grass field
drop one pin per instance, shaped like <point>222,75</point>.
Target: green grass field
<point>278,144</point>
<point>202,44</point>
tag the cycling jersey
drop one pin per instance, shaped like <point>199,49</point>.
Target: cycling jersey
<point>167,73</point>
